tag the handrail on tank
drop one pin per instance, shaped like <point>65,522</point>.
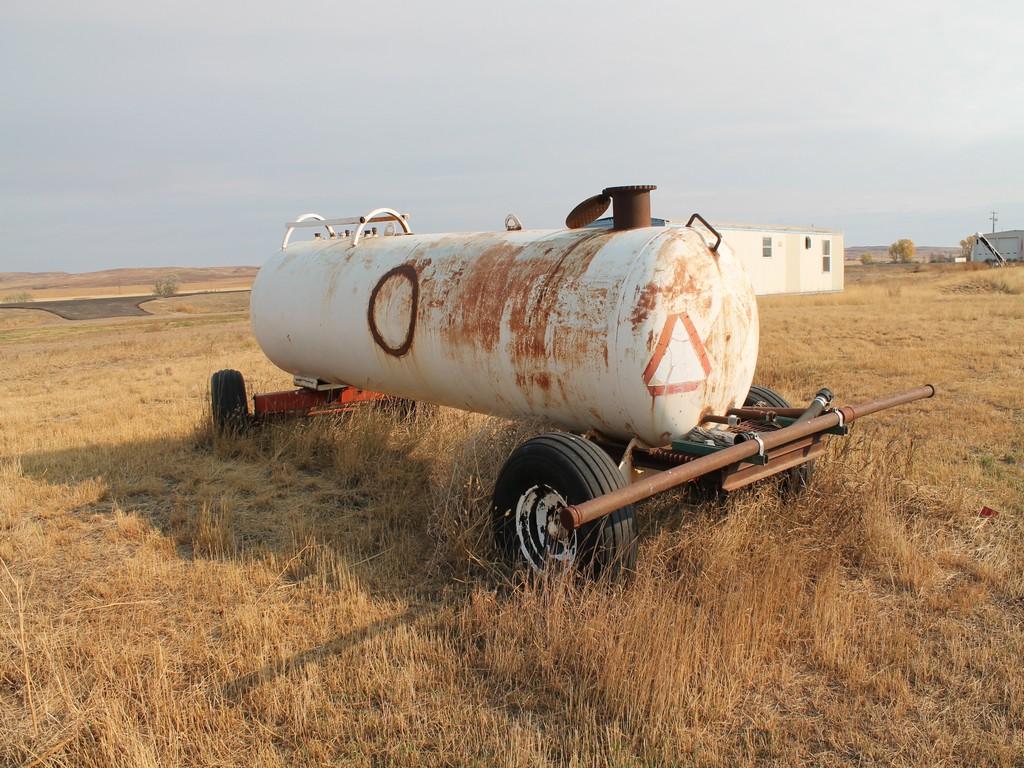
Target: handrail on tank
<point>315,220</point>
<point>303,218</point>
<point>376,215</point>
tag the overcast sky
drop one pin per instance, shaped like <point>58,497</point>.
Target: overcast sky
<point>188,133</point>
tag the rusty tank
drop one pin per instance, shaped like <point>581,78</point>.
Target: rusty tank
<point>629,329</point>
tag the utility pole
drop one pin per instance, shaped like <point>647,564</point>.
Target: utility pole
<point>994,220</point>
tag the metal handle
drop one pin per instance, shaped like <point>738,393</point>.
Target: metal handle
<point>376,215</point>
<point>302,218</point>
<point>713,231</point>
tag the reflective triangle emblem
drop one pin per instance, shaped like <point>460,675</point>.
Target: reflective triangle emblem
<point>680,361</point>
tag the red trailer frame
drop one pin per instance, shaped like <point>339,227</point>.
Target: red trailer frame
<point>303,401</point>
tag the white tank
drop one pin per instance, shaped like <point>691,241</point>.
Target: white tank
<point>633,333</point>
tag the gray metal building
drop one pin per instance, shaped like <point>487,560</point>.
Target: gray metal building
<point>1010,245</point>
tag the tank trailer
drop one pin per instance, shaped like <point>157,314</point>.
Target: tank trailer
<point>638,337</point>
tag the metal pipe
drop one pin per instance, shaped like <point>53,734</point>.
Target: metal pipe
<point>575,515</point>
<point>631,205</point>
<point>759,413</point>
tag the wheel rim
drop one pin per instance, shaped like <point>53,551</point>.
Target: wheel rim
<point>538,526</point>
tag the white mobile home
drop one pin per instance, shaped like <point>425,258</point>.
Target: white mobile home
<point>779,259</point>
<point>787,259</point>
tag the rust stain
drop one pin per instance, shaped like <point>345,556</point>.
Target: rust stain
<point>521,290</point>
<point>644,304</point>
<point>483,292</point>
<point>561,390</point>
<point>729,331</point>
<point>535,309</point>
<point>534,306</point>
<point>678,274</point>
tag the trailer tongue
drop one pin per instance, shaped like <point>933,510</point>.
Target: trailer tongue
<point>757,448</point>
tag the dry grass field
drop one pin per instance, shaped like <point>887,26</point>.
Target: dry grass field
<point>138,281</point>
<point>325,592</point>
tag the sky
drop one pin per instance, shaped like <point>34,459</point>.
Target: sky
<point>188,133</point>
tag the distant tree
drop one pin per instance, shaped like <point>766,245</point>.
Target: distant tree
<point>902,251</point>
<point>967,246</point>
<point>867,258</point>
<point>21,297</point>
<point>166,287</point>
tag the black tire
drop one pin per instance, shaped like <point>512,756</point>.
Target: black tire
<point>795,480</point>
<point>229,406</point>
<point>762,397</point>
<point>576,470</point>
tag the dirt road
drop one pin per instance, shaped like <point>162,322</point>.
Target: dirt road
<point>95,309</point>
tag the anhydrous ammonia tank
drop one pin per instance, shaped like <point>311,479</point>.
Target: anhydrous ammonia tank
<point>629,329</point>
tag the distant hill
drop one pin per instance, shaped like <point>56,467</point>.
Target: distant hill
<point>924,253</point>
<point>128,281</point>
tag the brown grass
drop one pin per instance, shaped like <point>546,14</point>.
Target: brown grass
<point>136,281</point>
<point>199,304</point>
<point>325,592</point>
<point>987,284</point>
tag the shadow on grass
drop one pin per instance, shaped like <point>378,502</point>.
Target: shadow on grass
<point>351,485</point>
<point>237,688</point>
